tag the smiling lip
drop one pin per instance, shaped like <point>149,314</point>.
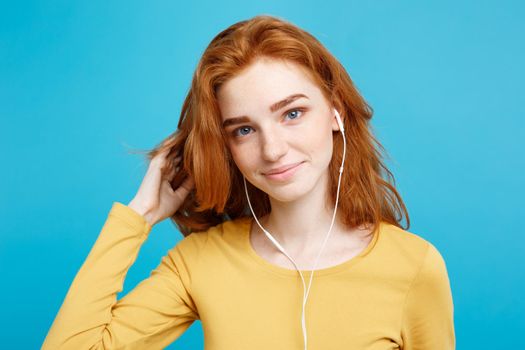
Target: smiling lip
<point>282,169</point>
<point>286,174</point>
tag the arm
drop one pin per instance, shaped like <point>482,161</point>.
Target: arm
<point>428,316</point>
<point>152,315</point>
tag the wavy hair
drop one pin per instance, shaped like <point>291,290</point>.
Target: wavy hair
<point>365,197</point>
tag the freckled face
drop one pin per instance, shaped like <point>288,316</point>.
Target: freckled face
<point>296,131</point>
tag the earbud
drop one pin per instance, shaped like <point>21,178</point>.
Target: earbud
<point>276,243</point>
<point>339,121</point>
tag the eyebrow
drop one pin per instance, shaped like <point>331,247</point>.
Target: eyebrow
<point>273,108</point>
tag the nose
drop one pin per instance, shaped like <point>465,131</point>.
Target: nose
<point>274,145</point>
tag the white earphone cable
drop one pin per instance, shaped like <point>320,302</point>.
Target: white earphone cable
<point>276,243</point>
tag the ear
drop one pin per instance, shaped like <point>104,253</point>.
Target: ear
<point>335,124</point>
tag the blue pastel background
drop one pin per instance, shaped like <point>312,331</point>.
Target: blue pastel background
<point>82,83</point>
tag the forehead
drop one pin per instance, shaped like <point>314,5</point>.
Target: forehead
<point>263,83</point>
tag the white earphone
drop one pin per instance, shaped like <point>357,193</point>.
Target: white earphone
<point>339,121</point>
<point>274,241</point>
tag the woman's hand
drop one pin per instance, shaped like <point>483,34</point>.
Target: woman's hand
<point>156,200</point>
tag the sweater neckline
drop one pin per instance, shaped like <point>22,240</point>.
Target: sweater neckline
<point>247,222</point>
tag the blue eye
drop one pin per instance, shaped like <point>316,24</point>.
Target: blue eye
<point>294,110</point>
<point>238,131</point>
<point>245,130</point>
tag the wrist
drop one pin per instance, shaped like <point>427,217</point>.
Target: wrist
<point>142,211</point>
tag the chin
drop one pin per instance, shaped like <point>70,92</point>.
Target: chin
<point>288,192</point>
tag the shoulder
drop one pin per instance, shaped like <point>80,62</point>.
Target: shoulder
<point>407,242</point>
<point>402,238</point>
<point>226,233</point>
<point>199,251</point>
<point>412,252</point>
<point>428,307</point>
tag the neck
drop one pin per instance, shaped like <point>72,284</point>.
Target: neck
<point>304,222</point>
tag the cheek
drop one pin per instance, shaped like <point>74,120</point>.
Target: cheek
<point>320,143</point>
<point>243,159</point>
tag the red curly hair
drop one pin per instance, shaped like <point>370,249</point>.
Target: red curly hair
<point>365,197</point>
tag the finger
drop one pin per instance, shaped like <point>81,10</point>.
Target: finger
<point>162,154</point>
<point>151,181</point>
<point>182,191</point>
<point>161,157</point>
<point>171,173</point>
<point>177,161</point>
<point>188,184</point>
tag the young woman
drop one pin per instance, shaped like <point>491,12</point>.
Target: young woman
<point>291,238</point>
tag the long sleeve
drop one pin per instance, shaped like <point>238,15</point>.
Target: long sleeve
<point>151,316</point>
<point>428,318</point>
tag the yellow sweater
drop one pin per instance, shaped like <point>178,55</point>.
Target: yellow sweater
<point>394,295</point>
